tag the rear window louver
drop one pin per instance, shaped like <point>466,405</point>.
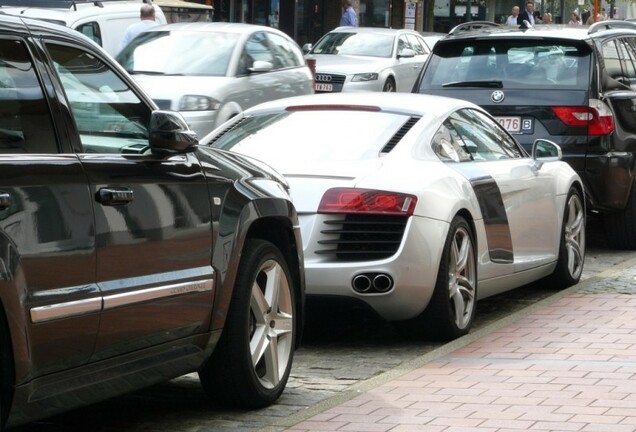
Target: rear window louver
<point>226,130</point>
<point>400,134</point>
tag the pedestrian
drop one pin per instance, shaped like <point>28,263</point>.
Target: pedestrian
<point>147,16</point>
<point>547,18</point>
<point>574,19</point>
<point>349,17</point>
<point>512,18</point>
<point>527,15</point>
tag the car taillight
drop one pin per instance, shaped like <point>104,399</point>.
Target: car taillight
<point>597,117</point>
<point>348,200</point>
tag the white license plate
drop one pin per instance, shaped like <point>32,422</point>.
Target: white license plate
<point>323,87</point>
<point>511,124</point>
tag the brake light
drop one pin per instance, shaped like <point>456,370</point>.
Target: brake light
<point>597,117</point>
<point>349,200</point>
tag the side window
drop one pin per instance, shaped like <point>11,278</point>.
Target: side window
<point>256,48</point>
<point>484,138</point>
<point>614,78</point>
<point>418,45</point>
<point>448,145</point>
<point>403,44</point>
<point>285,54</point>
<point>91,29</point>
<point>628,58</point>
<point>25,120</point>
<point>109,116</point>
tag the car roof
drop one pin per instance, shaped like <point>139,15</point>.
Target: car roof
<point>552,31</point>
<point>375,30</point>
<point>225,27</point>
<point>25,24</point>
<point>408,103</point>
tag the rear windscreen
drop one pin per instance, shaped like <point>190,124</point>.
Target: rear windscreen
<point>509,64</point>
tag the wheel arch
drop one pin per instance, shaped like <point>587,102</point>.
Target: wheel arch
<point>269,218</point>
<point>280,232</point>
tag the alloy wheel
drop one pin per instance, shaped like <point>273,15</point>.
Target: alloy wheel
<point>575,235</point>
<point>462,277</point>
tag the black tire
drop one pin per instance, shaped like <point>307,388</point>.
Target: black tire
<point>572,245</point>
<point>261,318</point>
<point>620,227</point>
<point>389,86</point>
<point>451,310</point>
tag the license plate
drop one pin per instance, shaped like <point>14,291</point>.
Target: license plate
<point>323,87</point>
<point>517,125</point>
<point>511,124</point>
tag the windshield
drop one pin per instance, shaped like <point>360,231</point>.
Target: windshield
<point>300,136</point>
<point>361,44</point>
<point>179,53</point>
<point>509,64</point>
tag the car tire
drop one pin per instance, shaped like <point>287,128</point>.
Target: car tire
<point>251,363</point>
<point>572,244</point>
<point>620,227</point>
<point>389,86</point>
<point>451,309</point>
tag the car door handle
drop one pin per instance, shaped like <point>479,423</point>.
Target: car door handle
<point>114,196</point>
<point>5,200</point>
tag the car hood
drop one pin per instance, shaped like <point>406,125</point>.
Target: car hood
<point>173,87</point>
<point>350,64</point>
<point>310,180</point>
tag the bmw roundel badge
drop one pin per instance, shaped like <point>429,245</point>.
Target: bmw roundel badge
<point>497,96</point>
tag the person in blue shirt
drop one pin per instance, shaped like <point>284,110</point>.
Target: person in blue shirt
<point>147,16</point>
<point>349,17</point>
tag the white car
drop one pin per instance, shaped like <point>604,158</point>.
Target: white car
<point>104,22</point>
<point>417,205</point>
<point>212,71</point>
<point>353,59</point>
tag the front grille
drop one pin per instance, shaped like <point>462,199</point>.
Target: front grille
<point>362,237</point>
<point>337,81</point>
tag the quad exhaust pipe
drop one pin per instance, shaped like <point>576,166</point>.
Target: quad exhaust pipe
<point>372,283</point>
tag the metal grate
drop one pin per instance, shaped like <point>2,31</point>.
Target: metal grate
<point>362,237</point>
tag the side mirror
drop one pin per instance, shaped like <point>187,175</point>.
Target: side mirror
<point>406,53</point>
<point>261,66</point>
<point>170,133</point>
<point>546,151</point>
<point>307,47</point>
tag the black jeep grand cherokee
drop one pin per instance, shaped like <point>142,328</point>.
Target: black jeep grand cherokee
<point>130,255</point>
<point>573,85</point>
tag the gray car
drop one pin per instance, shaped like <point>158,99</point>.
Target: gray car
<point>212,71</point>
<point>350,59</point>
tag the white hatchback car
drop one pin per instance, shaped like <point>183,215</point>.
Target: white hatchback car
<point>212,71</point>
<point>352,59</point>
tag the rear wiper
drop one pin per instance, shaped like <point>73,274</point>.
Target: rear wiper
<point>486,84</point>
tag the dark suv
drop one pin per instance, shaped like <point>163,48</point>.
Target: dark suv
<point>573,85</point>
<point>130,255</point>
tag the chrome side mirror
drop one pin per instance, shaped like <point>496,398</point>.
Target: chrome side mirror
<point>546,151</point>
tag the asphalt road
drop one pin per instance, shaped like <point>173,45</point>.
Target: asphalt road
<point>342,348</point>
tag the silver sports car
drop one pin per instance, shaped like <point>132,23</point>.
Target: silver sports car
<point>417,205</point>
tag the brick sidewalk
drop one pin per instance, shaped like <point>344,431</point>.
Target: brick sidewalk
<point>568,365</point>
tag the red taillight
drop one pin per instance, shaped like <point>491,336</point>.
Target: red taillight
<point>597,117</point>
<point>344,200</point>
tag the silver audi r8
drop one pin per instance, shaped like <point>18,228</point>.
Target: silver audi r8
<point>417,205</point>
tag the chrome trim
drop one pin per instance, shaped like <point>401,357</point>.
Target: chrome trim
<point>128,298</point>
<point>97,304</point>
<point>65,310</point>
<point>323,78</point>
